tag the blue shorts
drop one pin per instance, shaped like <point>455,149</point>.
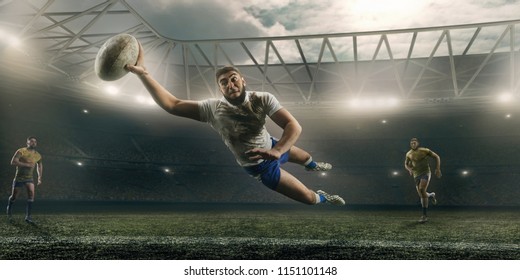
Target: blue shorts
<point>422,177</point>
<point>268,171</point>
<point>21,183</point>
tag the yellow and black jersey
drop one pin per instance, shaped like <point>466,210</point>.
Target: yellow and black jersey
<point>26,156</point>
<point>419,161</point>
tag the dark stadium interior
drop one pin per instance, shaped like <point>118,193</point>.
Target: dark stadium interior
<point>124,155</point>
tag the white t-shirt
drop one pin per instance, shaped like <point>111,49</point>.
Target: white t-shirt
<point>241,127</point>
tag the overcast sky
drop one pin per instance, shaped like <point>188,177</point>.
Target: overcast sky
<point>209,19</point>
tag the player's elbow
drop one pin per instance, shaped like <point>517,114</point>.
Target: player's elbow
<point>171,106</point>
<point>296,128</point>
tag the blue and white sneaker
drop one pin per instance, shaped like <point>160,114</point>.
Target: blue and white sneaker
<point>332,199</point>
<point>320,166</point>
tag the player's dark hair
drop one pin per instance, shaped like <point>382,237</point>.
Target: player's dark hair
<point>226,69</point>
<point>31,137</point>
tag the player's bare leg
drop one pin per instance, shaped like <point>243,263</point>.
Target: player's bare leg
<point>291,187</point>
<point>423,195</point>
<point>10,201</point>
<point>297,155</point>
<point>302,157</point>
<point>30,200</point>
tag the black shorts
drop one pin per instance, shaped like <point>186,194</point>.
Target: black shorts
<point>422,177</point>
<point>21,183</point>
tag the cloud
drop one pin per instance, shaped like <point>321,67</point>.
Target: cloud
<point>205,19</point>
<point>202,19</point>
<point>291,16</point>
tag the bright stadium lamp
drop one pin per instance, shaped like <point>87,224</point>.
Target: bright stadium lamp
<point>112,90</point>
<point>374,103</point>
<point>145,100</point>
<point>14,41</point>
<point>505,97</point>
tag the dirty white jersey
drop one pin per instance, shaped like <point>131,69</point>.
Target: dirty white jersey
<point>241,127</point>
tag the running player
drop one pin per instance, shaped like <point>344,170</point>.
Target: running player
<point>239,117</point>
<point>416,163</point>
<point>26,160</point>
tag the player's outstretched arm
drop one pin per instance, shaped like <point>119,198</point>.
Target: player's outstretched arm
<point>164,98</point>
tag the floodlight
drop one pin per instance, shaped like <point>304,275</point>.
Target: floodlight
<point>112,90</point>
<point>505,97</point>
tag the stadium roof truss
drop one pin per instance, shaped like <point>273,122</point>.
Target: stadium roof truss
<point>61,39</point>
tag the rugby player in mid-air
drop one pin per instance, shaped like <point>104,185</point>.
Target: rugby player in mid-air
<point>239,116</point>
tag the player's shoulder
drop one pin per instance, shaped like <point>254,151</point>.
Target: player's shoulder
<point>213,102</point>
<point>423,150</point>
<point>259,94</point>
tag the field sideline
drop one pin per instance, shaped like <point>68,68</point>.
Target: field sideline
<point>147,231</point>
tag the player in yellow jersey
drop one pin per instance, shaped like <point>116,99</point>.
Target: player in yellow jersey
<point>26,160</point>
<point>416,163</point>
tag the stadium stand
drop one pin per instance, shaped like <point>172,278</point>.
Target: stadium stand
<point>128,165</point>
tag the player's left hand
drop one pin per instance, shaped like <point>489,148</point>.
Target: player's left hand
<point>257,153</point>
<point>438,173</point>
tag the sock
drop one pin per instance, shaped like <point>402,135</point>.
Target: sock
<point>9,205</point>
<point>310,163</point>
<point>424,211</point>
<point>28,210</point>
<point>320,198</point>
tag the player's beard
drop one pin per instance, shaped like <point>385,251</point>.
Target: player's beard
<point>240,99</point>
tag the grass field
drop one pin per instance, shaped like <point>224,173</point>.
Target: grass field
<point>92,231</point>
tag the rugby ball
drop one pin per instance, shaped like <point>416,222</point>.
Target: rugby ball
<point>114,54</point>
